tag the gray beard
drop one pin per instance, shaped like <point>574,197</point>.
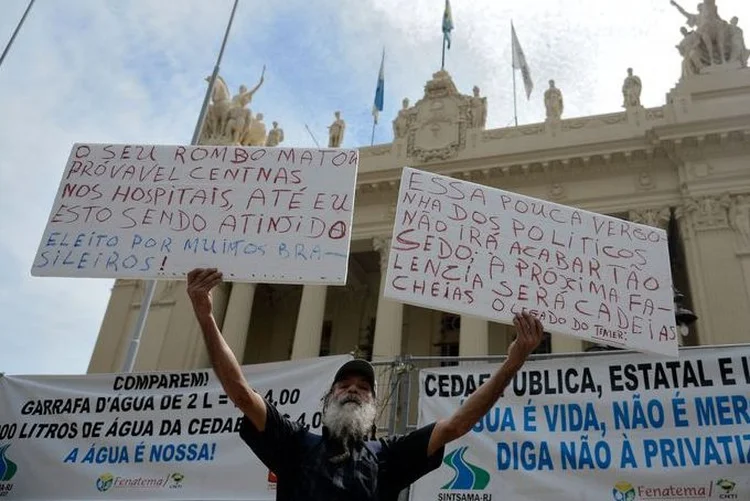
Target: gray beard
<point>349,420</point>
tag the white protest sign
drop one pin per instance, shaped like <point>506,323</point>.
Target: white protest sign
<point>157,435</point>
<point>273,215</point>
<point>598,428</point>
<point>471,249</point>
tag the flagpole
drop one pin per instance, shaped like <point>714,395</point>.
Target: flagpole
<point>377,105</point>
<point>515,110</point>
<point>150,289</point>
<point>513,69</point>
<point>15,32</point>
<point>442,64</point>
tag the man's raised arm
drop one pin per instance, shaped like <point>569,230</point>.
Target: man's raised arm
<point>200,282</point>
<point>529,335</point>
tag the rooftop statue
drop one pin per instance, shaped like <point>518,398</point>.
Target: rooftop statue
<point>553,102</point>
<point>478,109</point>
<point>228,120</point>
<point>336,131</point>
<point>631,90</point>
<point>275,135</point>
<point>712,42</point>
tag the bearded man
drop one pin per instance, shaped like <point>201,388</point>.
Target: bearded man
<point>342,464</point>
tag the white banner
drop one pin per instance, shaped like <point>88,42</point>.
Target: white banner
<point>157,435</point>
<point>597,428</point>
<point>471,249</point>
<point>273,215</point>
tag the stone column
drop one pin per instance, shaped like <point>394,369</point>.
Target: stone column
<point>312,309</point>
<point>390,314</point>
<point>717,280</point>
<point>473,339</point>
<point>237,318</point>
<point>739,219</point>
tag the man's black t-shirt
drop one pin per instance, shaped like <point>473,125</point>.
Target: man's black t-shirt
<point>373,471</point>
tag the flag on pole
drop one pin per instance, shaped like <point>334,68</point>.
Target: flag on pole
<point>377,106</point>
<point>447,22</point>
<point>519,62</point>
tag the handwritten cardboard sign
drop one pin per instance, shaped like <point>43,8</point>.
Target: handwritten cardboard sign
<point>470,249</point>
<point>273,215</point>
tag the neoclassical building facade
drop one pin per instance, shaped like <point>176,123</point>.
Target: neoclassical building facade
<point>683,166</point>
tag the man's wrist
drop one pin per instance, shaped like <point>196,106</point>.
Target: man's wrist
<point>205,317</point>
<point>513,364</point>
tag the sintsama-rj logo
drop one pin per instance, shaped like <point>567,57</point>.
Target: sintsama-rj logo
<point>7,471</point>
<point>467,479</point>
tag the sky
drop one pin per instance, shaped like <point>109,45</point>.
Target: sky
<point>133,71</point>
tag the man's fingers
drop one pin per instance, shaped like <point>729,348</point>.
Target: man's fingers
<point>213,281</point>
<point>198,274</point>
<point>539,327</point>
<point>202,277</point>
<point>207,277</point>
<point>524,324</point>
<point>518,321</point>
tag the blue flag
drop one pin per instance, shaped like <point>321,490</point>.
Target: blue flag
<point>377,106</point>
<point>447,22</point>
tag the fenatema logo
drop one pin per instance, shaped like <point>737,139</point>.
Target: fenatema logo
<point>7,470</point>
<point>623,491</point>
<point>108,481</point>
<point>466,477</point>
<point>104,482</point>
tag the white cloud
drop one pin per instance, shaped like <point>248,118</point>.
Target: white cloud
<point>133,71</point>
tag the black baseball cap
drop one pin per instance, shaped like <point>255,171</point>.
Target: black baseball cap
<point>357,366</point>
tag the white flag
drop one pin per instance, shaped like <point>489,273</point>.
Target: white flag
<point>519,63</point>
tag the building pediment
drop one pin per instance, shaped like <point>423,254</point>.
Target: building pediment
<point>435,128</point>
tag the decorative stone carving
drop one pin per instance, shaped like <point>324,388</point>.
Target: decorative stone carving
<point>383,246</point>
<point>553,102</point>
<point>275,135</point>
<point>435,127</point>
<point>739,219</point>
<point>376,151</point>
<point>658,218</point>
<point>574,124</point>
<point>611,119</point>
<point>556,192</point>
<point>706,213</point>
<point>631,90</point>
<point>645,181</point>
<point>713,43</point>
<point>655,114</point>
<point>336,131</point>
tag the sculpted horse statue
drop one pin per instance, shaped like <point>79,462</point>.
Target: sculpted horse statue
<point>218,109</point>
